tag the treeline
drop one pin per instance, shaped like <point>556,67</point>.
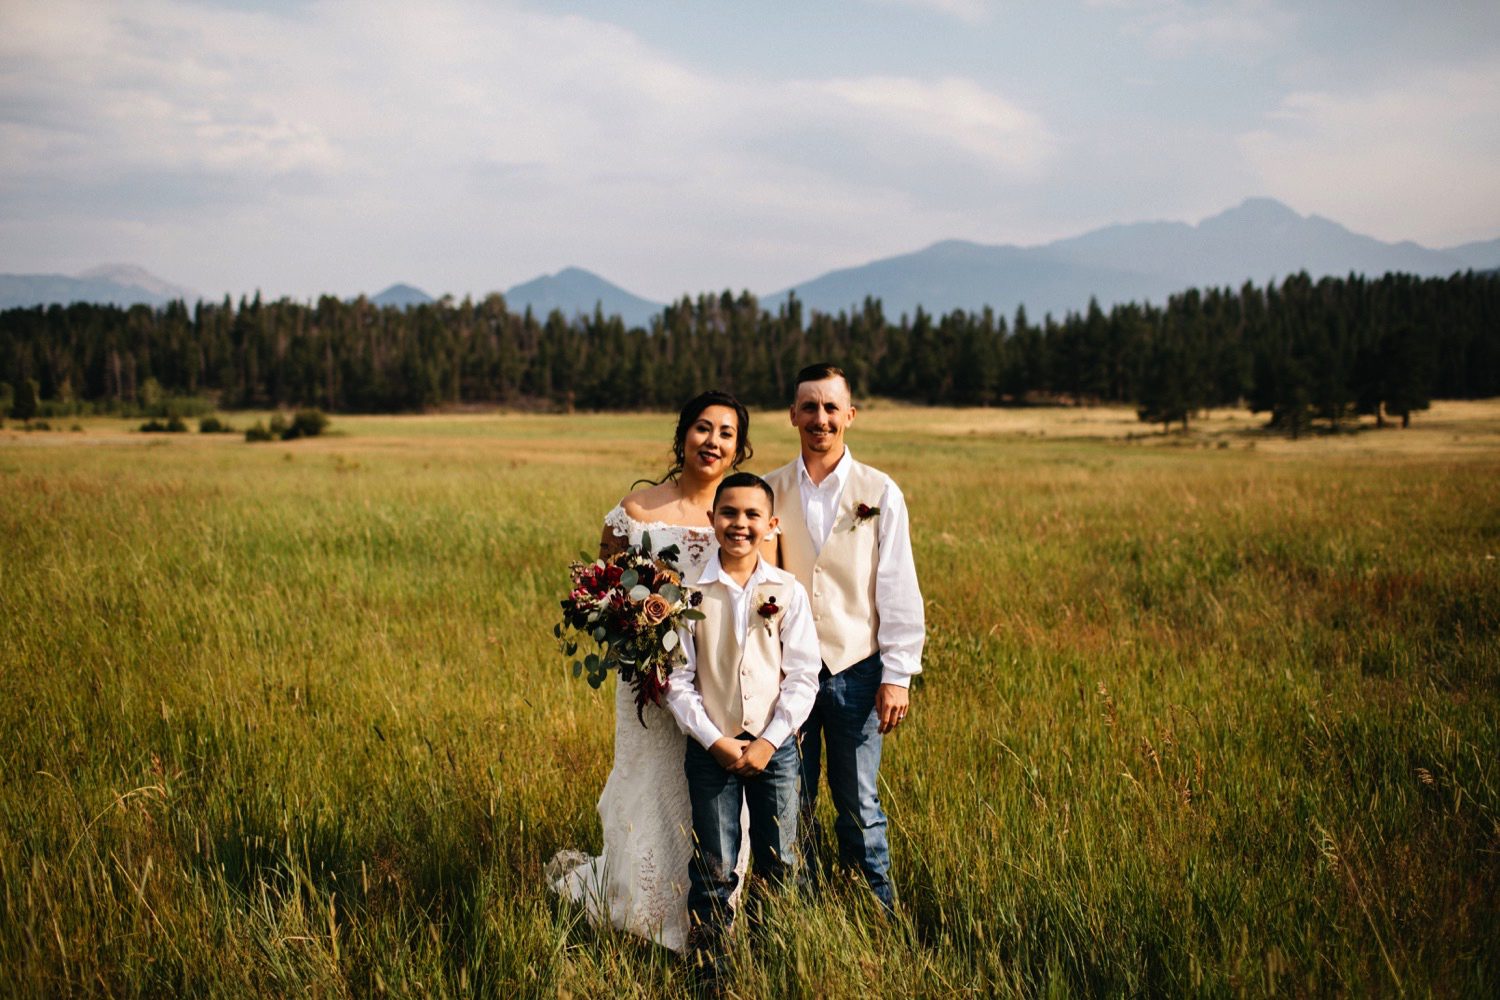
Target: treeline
<point>1299,350</point>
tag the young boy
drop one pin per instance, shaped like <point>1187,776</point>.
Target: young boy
<point>749,682</point>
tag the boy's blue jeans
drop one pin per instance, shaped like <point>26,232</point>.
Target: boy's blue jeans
<point>771,799</point>
<point>843,721</point>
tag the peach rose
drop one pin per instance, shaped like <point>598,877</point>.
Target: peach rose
<point>655,609</point>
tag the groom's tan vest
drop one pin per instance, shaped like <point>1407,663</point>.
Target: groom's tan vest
<point>840,580</point>
<point>740,681</point>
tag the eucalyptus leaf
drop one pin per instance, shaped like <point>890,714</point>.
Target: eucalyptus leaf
<point>599,634</point>
<point>671,593</point>
<point>629,578</point>
<point>669,641</point>
<point>639,592</point>
<point>694,615</point>
<point>577,668</point>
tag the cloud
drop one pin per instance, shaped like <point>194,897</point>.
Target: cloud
<point>1416,157</point>
<point>951,112</point>
<point>463,144</point>
<point>968,11</point>
<point>1178,28</point>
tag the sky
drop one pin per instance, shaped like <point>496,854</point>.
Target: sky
<point>465,146</point>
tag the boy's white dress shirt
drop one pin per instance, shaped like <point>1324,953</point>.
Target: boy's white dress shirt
<point>800,661</point>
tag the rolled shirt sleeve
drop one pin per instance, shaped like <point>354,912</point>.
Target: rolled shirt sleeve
<point>898,599</point>
<point>800,662</point>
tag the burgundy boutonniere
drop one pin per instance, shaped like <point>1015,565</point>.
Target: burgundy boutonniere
<point>864,512</point>
<point>768,611</point>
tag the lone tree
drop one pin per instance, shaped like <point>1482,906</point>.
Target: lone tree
<point>26,400</point>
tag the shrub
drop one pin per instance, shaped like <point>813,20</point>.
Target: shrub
<point>175,425</point>
<point>213,425</point>
<point>306,423</point>
<point>153,427</point>
<point>258,432</point>
<point>278,426</point>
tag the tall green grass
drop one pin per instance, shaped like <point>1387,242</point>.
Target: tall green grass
<point>288,719</point>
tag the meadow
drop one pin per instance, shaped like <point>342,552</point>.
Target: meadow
<point>1208,714</point>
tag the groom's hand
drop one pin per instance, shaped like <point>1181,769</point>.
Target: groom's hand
<point>891,703</point>
<point>754,760</point>
<point>727,751</point>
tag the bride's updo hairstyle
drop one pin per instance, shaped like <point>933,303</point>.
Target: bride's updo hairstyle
<point>691,411</point>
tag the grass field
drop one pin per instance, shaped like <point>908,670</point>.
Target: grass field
<point>1207,714</point>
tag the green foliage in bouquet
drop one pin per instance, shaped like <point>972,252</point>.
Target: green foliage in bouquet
<point>629,607</point>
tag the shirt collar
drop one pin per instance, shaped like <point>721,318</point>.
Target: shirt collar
<point>836,477</point>
<point>713,573</point>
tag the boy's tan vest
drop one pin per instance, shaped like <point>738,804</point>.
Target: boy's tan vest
<point>840,580</point>
<point>740,682</point>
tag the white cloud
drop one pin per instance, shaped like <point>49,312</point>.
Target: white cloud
<point>950,112</point>
<point>475,144</point>
<point>968,11</point>
<point>1180,28</point>
<point>1414,160</point>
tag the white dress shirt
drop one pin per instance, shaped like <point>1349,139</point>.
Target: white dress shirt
<point>898,599</point>
<point>799,661</point>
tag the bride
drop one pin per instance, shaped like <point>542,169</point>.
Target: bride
<point>639,882</point>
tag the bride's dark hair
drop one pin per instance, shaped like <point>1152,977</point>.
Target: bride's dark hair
<point>691,411</point>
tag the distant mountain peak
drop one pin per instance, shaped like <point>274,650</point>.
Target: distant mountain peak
<point>402,295</point>
<point>1258,213</point>
<point>134,276</point>
<point>574,290</point>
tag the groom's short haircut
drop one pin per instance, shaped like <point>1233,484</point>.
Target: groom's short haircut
<point>739,480</point>
<point>820,370</point>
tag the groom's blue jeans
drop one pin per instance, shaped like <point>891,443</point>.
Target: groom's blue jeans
<point>771,800</point>
<point>843,721</point>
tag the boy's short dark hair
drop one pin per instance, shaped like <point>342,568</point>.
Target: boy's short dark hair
<point>820,370</point>
<point>739,480</point>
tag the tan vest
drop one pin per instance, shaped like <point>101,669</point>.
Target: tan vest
<point>840,580</point>
<point>740,682</point>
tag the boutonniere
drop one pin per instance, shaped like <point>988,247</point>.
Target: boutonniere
<point>768,611</point>
<point>864,512</point>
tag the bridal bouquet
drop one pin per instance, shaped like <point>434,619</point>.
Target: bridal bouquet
<point>630,607</point>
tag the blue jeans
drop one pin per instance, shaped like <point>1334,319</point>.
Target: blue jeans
<point>771,799</point>
<point>843,720</point>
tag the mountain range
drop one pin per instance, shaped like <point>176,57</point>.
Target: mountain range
<point>1259,240</point>
<point>109,284</point>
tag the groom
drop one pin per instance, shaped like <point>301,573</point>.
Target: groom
<point>844,537</point>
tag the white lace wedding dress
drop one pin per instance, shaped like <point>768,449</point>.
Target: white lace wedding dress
<point>639,883</point>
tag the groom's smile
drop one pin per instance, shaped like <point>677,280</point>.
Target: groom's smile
<point>821,413</point>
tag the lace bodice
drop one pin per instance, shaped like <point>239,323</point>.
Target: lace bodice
<point>694,545</point>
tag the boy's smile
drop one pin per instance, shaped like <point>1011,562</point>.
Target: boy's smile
<point>742,518</point>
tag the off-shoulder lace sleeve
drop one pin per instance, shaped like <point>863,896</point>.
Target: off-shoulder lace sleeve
<point>618,521</point>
